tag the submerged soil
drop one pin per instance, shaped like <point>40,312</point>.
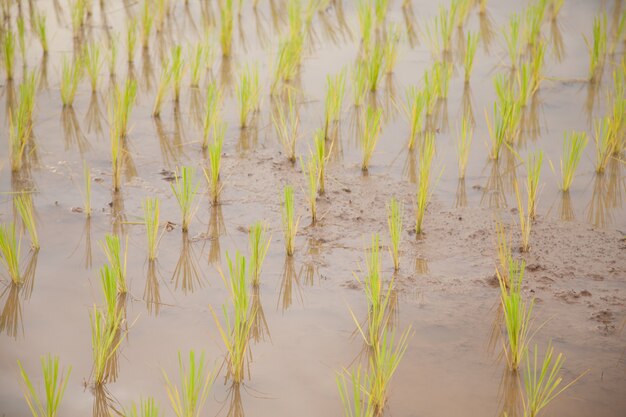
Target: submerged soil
<point>446,287</point>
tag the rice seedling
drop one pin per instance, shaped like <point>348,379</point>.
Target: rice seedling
<point>108,283</point>
<point>524,219</point>
<point>112,249</point>
<point>604,143</point>
<point>93,63</point>
<point>215,158</point>
<point>441,73</point>
<point>517,314</point>
<point>309,168</point>
<point>533,168</point>
<point>427,152</point>
<point>542,381</point>
<point>504,253</point>
<point>359,83</point>
<point>464,143</point>
<point>151,219</point>
<point>511,36</point>
<point>104,343</point>
<point>505,127</point>
<point>146,24</point>
<point>390,49</point>
<point>366,20</point>
<point>441,31</point>
<point>236,332</point>
<point>536,65</point>
<point>597,48</point>
<point>374,66</point>
<point>335,87</point>
<point>380,10</point>
<point>555,8</point>
<point>115,141</point>
<point>77,13</point>
<point>112,55</point>
<point>24,206</point>
<point>415,103</point>
<point>198,59</point>
<point>196,382</point>
<point>125,98</point>
<point>395,213</point>
<point>8,53</point>
<point>148,407</point>
<point>177,69</point>
<point>71,75</point>
<point>10,248</point>
<point>20,123</point>
<point>286,123</point>
<point>226,27</point>
<point>371,133</point>
<point>163,86</point>
<point>288,59</point>
<point>383,364</point>
<point>40,30</point>
<point>247,92</point>
<point>212,112</point>
<point>429,93</point>
<point>355,401</point>
<point>131,39</point>
<point>54,382</point>
<point>321,157</point>
<point>87,195</point>
<point>294,15</point>
<point>470,53</point>
<point>21,33</point>
<point>573,148</point>
<point>184,189</point>
<point>290,223</point>
<point>259,245</point>
<point>532,26</point>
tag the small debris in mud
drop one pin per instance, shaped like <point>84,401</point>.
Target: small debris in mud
<point>606,319</point>
<point>242,229</point>
<point>351,285</point>
<point>347,190</point>
<point>477,187</point>
<point>168,175</point>
<point>77,210</point>
<point>535,267</point>
<point>169,226</point>
<point>571,296</point>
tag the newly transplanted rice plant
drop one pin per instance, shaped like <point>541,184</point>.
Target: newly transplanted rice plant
<point>359,83</point>
<point>415,104</point>
<point>184,189</point>
<point>112,249</point>
<point>525,220</point>
<point>146,24</point>
<point>371,134</point>
<point>71,74</point>
<point>604,143</point>
<point>259,244</point>
<point>288,60</point>
<point>93,63</point>
<point>511,37</point>
<point>390,49</point>
<point>112,55</point>
<point>40,30</point>
<point>212,175</point>
<point>597,48</point>
<point>536,65</point>
<point>226,26</point>
<point>212,112</point>
<point>54,383</point>
<point>321,157</point>
<point>248,94</point>
<point>104,343</point>
<point>10,249</point>
<point>21,29</point>
<point>335,87</point>
<point>542,381</point>
<point>151,220</point>
<point>177,68</point>
<point>131,39</point>
<point>470,52</point>
<point>162,87</point>
<point>199,57</point>
<point>309,168</point>
<point>374,66</point>
<point>365,14</point>
<point>290,223</point>
<point>517,314</point>
<point>286,122</point>
<point>395,213</point>
<point>20,122</point>
<point>236,332</point>
<point>573,147</point>
<point>195,384</point>
<point>464,143</point>
<point>108,283</point>
<point>24,206</point>
<point>533,168</point>
<point>148,407</point>
<point>427,152</point>
<point>380,10</point>
<point>87,195</point>
<point>8,53</point>
<point>355,401</point>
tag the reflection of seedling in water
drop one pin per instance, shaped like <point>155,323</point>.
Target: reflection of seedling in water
<point>87,195</point>
<point>464,143</point>
<point>290,223</point>
<point>427,152</point>
<point>112,249</point>
<point>8,52</point>
<point>247,92</point>
<point>196,383</point>
<point>259,245</point>
<point>415,103</point>
<point>71,74</point>
<point>40,30</point>
<point>215,157</point>
<point>236,332</point>
<point>286,123</point>
<point>184,189</point>
<point>597,49</point>
<point>309,168</point>
<point>93,63</point>
<point>573,148</point>
<point>151,220</point>
<point>24,206</point>
<point>517,313</point>
<point>212,112</point>
<point>470,52</point>
<point>10,248</point>
<point>395,212</point>
<point>542,381</point>
<point>54,382</point>
<point>371,133</point>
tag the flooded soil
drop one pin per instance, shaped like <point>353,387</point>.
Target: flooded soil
<point>446,286</point>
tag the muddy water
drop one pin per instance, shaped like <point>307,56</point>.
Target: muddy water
<point>446,294</point>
